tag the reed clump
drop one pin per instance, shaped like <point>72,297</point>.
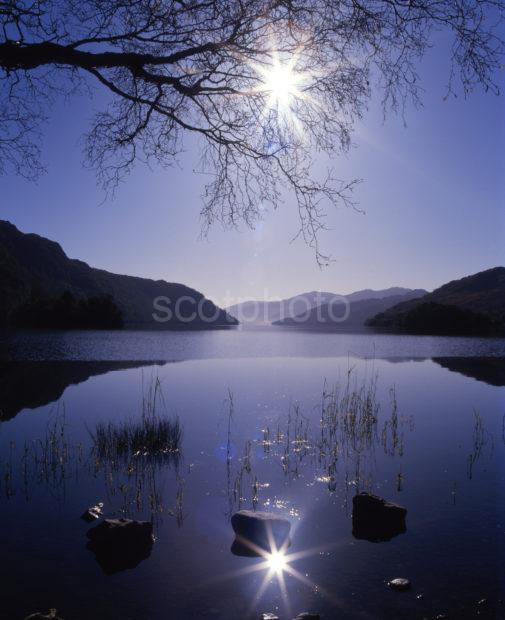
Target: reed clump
<point>152,437</point>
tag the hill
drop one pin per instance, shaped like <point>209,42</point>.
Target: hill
<point>33,268</point>
<point>472,305</point>
<point>355,315</point>
<point>262,312</point>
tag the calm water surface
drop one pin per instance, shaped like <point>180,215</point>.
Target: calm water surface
<point>441,454</point>
<point>233,343</point>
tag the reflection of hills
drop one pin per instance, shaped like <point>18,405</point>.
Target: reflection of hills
<point>491,370</point>
<point>27,385</point>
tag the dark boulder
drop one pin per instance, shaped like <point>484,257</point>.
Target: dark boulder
<point>259,531</point>
<point>119,544</point>
<point>375,519</point>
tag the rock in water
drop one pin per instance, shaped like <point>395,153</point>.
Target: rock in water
<point>259,531</point>
<point>306,616</point>
<point>399,583</point>
<point>93,513</point>
<point>375,519</point>
<point>51,615</point>
<point>119,544</point>
<point>269,616</point>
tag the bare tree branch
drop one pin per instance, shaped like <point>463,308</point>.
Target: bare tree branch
<point>174,67</point>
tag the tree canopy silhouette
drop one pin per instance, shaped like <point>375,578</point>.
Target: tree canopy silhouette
<point>211,68</point>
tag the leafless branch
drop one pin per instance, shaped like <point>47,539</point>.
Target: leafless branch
<point>178,67</point>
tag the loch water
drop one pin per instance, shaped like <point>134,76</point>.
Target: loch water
<point>255,408</point>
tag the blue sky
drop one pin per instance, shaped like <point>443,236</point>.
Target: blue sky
<point>433,193</point>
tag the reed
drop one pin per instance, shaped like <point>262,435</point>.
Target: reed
<point>348,432</point>
<point>152,437</point>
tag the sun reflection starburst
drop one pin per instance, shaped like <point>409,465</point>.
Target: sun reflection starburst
<point>277,562</point>
<point>277,566</point>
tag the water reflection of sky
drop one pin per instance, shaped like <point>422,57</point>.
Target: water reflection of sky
<point>454,514</point>
<point>242,342</point>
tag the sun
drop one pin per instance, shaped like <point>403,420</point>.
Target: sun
<point>282,82</point>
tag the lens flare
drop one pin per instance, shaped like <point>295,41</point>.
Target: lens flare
<point>277,562</point>
<point>284,85</point>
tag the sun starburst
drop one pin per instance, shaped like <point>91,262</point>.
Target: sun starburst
<point>284,85</point>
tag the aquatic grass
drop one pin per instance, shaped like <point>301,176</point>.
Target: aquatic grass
<point>132,453</point>
<point>481,438</point>
<point>51,460</point>
<point>151,437</point>
<point>131,457</point>
<point>346,435</point>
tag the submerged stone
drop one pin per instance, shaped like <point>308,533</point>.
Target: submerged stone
<point>259,531</point>
<point>119,544</point>
<point>51,615</point>
<point>376,519</point>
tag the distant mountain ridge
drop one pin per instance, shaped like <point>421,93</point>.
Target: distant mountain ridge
<point>252,311</point>
<point>337,315</point>
<point>473,304</point>
<point>32,266</point>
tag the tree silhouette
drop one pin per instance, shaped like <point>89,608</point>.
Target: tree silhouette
<point>68,312</point>
<point>206,67</point>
